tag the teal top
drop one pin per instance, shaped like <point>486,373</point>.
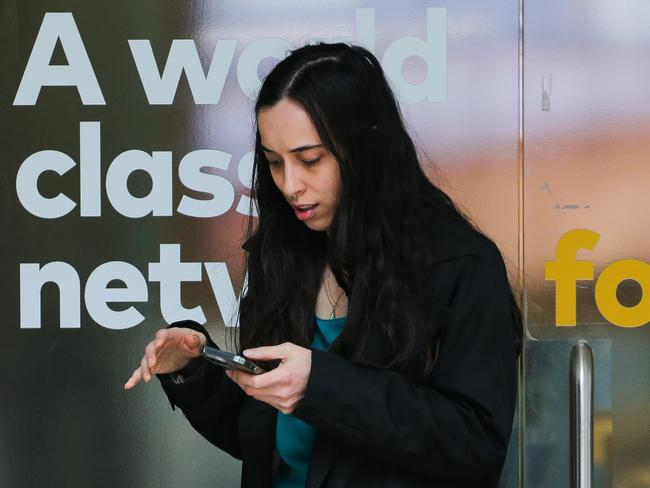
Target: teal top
<point>293,437</point>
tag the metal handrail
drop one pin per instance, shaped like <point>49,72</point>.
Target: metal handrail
<point>581,381</point>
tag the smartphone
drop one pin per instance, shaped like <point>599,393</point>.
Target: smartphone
<point>229,360</point>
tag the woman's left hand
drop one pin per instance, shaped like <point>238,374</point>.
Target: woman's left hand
<point>282,387</point>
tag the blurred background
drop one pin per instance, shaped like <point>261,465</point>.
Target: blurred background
<point>534,116</point>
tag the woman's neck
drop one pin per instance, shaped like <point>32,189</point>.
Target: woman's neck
<point>331,301</point>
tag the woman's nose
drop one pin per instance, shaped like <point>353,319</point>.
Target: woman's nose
<point>293,179</point>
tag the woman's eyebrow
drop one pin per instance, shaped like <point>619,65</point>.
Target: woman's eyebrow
<point>295,149</point>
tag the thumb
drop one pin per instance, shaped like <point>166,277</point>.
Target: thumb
<point>192,341</point>
<point>281,351</point>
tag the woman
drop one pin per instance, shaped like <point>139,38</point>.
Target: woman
<point>385,320</point>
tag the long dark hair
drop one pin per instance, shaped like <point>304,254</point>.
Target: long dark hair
<point>377,244</point>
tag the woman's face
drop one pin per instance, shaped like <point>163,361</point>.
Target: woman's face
<point>299,163</point>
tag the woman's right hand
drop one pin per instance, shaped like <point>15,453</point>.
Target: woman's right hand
<point>171,350</point>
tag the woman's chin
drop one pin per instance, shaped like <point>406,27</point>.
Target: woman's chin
<point>317,225</point>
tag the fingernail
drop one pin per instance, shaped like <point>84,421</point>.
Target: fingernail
<point>246,352</point>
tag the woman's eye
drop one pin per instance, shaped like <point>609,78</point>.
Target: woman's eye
<point>274,162</point>
<point>311,162</point>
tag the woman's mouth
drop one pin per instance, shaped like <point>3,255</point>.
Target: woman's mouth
<point>304,212</point>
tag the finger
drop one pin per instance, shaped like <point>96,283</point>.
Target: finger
<point>150,353</point>
<point>239,377</point>
<point>146,374</point>
<point>260,384</point>
<point>134,379</point>
<point>234,375</point>
<point>269,396</point>
<point>161,334</point>
<point>280,351</point>
<point>151,348</point>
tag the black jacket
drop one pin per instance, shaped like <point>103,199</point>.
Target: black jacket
<point>375,428</point>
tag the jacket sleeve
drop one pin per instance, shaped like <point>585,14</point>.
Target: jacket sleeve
<point>208,399</point>
<point>457,424</point>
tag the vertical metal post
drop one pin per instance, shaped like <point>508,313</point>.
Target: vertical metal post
<point>521,277</point>
<point>581,383</point>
